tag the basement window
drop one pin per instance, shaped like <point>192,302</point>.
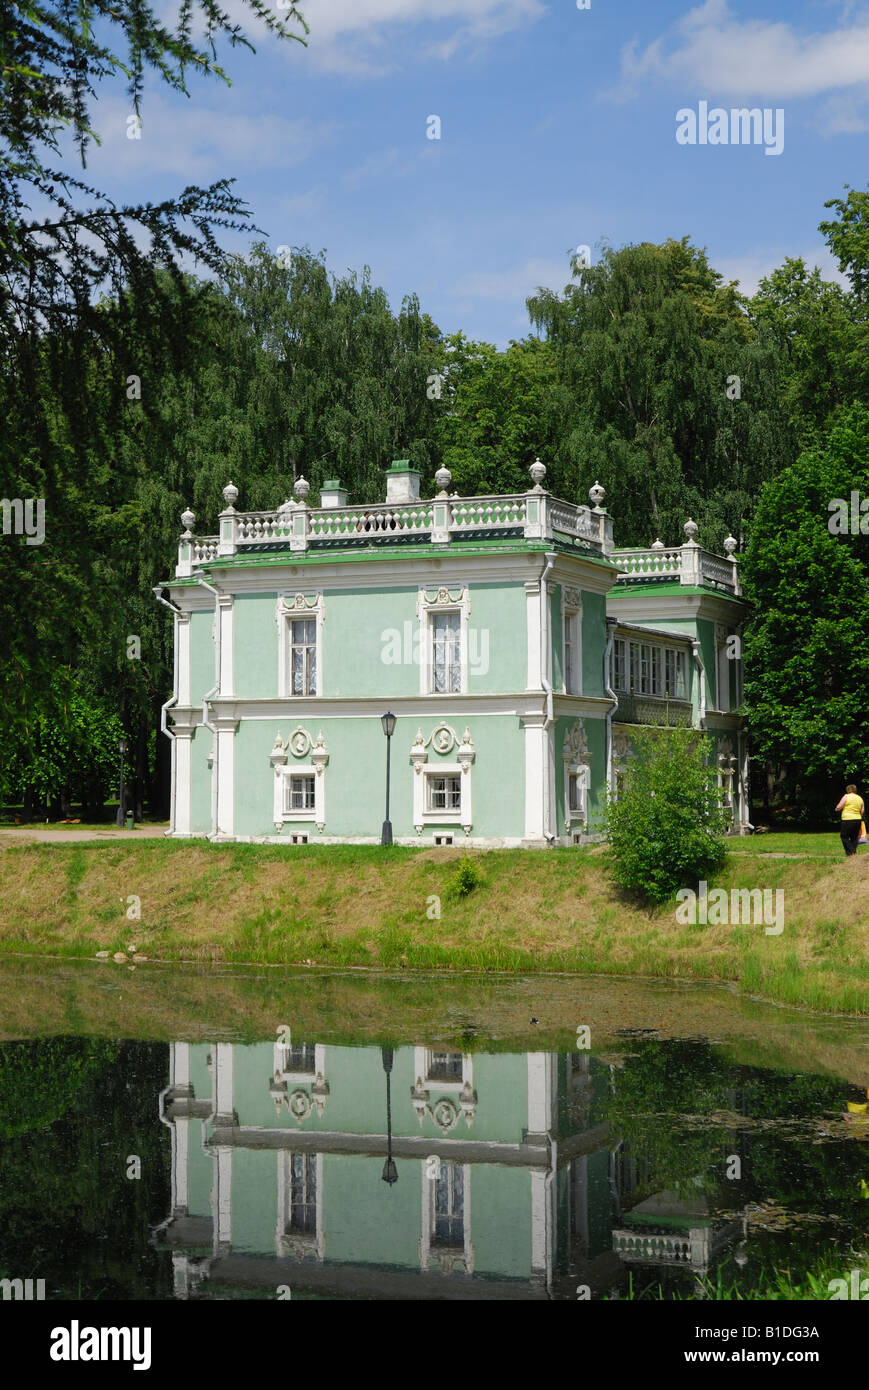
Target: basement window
<point>443,839</point>
<point>298,839</point>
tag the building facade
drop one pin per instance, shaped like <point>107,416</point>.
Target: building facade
<point>514,646</point>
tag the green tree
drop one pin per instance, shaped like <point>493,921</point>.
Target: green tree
<point>80,288</point>
<point>495,415</point>
<point>811,321</point>
<point>667,828</point>
<point>807,645</point>
<point>666,393</point>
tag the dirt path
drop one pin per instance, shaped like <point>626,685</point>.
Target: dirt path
<point>12,834</point>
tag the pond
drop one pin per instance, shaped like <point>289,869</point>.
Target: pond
<point>206,1133</point>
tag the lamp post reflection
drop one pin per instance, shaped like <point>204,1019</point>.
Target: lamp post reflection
<point>390,1172</point>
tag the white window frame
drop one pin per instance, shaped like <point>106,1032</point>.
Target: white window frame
<point>578,777</point>
<point>287,1240</point>
<point>444,740</point>
<point>290,775</point>
<point>454,773</point>
<point>451,817</point>
<point>290,607</point>
<point>317,815</point>
<point>650,668</point>
<point>422,1068</point>
<point>453,598</point>
<point>449,1259</point>
<point>571,635</point>
<point>620,666</point>
<point>312,759</point>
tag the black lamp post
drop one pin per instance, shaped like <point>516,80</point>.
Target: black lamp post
<point>122,748</point>
<point>388,722</point>
<point>390,1172</point>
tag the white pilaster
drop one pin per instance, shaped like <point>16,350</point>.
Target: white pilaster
<point>180,1158</point>
<point>225,729</point>
<point>532,626</point>
<point>221,1207</point>
<point>225,618</point>
<point>180,1064</point>
<point>539,1240</point>
<point>224,1107</point>
<point>182,643</point>
<point>541,1098</point>
<point>535,773</point>
<point>182,763</point>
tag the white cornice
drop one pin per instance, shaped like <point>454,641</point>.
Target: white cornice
<point>681,607</point>
<point>404,706</point>
<point>581,706</point>
<point>398,572</point>
<point>719,719</point>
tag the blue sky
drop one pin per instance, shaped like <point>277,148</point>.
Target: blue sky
<point>557,129</point>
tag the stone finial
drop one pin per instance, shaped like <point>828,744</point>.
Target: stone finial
<point>301,487</point>
<point>230,495</point>
<point>187,520</point>
<point>597,495</point>
<point>658,544</point>
<point>690,528</point>
<point>443,478</point>
<point>538,473</point>
<point>730,545</point>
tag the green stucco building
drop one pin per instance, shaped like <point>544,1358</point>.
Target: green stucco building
<point>514,645</point>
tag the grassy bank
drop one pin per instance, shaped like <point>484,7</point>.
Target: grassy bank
<point>350,905</point>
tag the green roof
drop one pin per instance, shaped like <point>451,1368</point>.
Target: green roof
<point>282,555</point>
<point>686,589</point>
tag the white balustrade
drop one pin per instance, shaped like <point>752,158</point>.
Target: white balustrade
<point>642,563</point>
<point>689,564</point>
<point>296,527</point>
<point>714,567</point>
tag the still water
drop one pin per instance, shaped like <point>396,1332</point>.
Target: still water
<point>320,1136</point>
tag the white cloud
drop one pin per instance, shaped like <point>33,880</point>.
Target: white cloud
<point>358,36</point>
<point>712,50</point>
<point>515,283</point>
<point>749,269</point>
<point>198,143</point>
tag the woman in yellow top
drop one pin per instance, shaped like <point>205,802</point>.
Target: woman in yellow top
<point>852,810</point>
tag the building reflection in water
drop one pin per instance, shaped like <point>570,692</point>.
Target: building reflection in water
<point>504,1181</point>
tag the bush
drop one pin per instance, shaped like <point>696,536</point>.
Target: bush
<point>667,827</point>
<point>465,879</point>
